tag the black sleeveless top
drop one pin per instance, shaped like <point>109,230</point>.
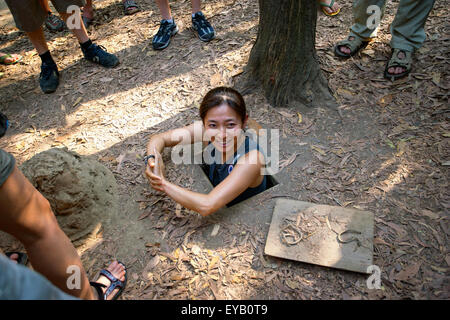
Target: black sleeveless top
<point>218,172</point>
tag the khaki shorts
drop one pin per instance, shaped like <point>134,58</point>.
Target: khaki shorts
<point>7,163</point>
<point>29,14</point>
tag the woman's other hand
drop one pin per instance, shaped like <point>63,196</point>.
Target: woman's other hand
<point>155,172</point>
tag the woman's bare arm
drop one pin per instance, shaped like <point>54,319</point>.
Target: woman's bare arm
<point>185,135</point>
<point>243,175</point>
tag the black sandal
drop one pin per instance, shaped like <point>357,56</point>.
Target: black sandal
<point>356,44</point>
<point>395,62</point>
<point>115,283</point>
<point>130,7</point>
<point>22,259</point>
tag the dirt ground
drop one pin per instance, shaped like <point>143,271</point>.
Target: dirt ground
<point>385,150</point>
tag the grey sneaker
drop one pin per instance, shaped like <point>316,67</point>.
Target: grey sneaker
<point>54,23</point>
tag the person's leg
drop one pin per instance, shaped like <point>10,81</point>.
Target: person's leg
<point>49,77</point>
<point>167,28</point>
<point>196,6</point>
<point>91,51</point>
<point>29,17</point>
<point>363,18</point>
<point>27,215</point>
<point>20,283</point>
<point>45,5</point>
<point>77,29</point>
<point>407,29</point>
<point>204,29</point>
<point>164,9</point>
<point>37,38</point>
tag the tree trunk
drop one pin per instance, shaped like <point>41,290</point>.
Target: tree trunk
<point>283,60</point>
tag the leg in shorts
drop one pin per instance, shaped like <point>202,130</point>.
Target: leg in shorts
<point>20,283</point>
<point>29,15</point>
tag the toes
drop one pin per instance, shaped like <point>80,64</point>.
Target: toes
<point>14,257</point>
<point>118,270</point>
<point>112,266</point>
<point>399,70</point>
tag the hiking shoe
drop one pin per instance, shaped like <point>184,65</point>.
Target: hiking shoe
<point>98,54</point>
<point>204,29</point>
<point>54,23</point>
<point>166,30</point>
<point>49,77</point>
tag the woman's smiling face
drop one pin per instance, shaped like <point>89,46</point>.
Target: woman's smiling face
<point>223,126</point>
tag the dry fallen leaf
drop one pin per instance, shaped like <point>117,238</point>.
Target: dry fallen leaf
<point>144,215</point>
<point>213,262</point>
<point>401,147</point>
<point>215,80</point>
<point>178,211</point>
<point>292,284</point>
<point>215,230</point>
<point>142,206</point>
<point>436,77</point>
<point>319,150</point>
<point>384,101</point>
<point>409,272</point>
<point>20,145</point>
<point>345,93</point>
<point>76,102</point>
<point>430,214</point>
<point>285,163</point>
<point>196,250</point>
<point>152,263</point>
<point>390,143</point>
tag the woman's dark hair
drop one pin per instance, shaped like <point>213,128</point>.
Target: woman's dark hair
<point>223,95</point>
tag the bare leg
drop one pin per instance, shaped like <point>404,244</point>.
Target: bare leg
<point>38,40</point>
<point>196,6</point>
<point>80,33</point>
<point>27,215</point>
<point>45,5</point>
<point>164,9</point>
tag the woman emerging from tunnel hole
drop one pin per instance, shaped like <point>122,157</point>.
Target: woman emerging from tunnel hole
<point>233,160</point>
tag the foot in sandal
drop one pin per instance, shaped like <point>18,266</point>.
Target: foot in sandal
<point>17,257</point>
<point>399,64</point>
<point>329,7</point>
<point>130,7</point>
<point>350,46</point>
<point>8,59</point>
<point>111,282</point>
